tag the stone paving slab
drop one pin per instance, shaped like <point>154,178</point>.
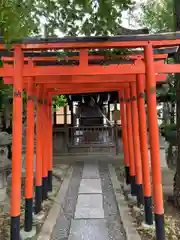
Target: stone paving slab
<point>89,206</point>
<point>93,229</point>
<point>89,200</point>
<point>90,171</point>
<point>90,186</point>
<point>89,213</point>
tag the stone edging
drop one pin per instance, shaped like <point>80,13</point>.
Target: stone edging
<point>126,218</point>
<point>56,209</point>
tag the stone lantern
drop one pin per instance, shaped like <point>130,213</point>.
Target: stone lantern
<point>5,165</point>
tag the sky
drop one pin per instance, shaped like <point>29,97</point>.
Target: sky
<point>130,22</point>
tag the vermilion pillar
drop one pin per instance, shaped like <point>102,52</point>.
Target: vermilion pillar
<point>130,140</point>
<point>144,151</point>
<point>136,144</point>
<point>17,143</point>
<point>154,142</point>
<point>38,190</point>
<point>50,143</point>
<point>124,136</point>
<point>29,158</point>
<point>45,147</point>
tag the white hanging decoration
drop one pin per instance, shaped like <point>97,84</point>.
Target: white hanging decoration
<point>98,98</point>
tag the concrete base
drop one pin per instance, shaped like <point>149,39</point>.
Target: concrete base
<point>137,212</point>
<point>139,209</point>
<point>127,188</point>
<point>28,235</point>
<point>132,199</point>
<point>39,217</point>
<point>146,226</point>
<point>58,173</point>
<point>52,194</point>
<point>63,166</point>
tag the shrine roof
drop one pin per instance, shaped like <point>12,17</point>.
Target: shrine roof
<point>135,40</point>
<point>119,38</point>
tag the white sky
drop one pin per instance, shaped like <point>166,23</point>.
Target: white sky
<point>129,22</point>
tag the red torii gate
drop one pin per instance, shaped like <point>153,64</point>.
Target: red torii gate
<point>18,71</point>
<point>67,89</point>
<point>135,164</point>
<point>137,68</point>
<point>68,80</point>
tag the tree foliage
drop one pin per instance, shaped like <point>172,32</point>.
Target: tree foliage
<point>22,18</point>
<point>157,15</point>
<point>19,18</point>
<point>5,94</point>
<point>167,18</point>
<point>59,101</point>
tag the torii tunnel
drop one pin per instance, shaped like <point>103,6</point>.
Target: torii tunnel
<point>34,65</point>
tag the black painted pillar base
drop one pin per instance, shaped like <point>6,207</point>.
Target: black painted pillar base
<point>44,188</point>
<point>50,181</point>
<point>140,198</point>
<point>148,210</point>
<point>127,175</point>
<point>133,186</point>
<point>160,226</point>
<point>38,199</point>
<point>15,228</point>
<point>28,215</point>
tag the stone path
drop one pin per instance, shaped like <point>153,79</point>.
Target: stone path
<point>90,210</point>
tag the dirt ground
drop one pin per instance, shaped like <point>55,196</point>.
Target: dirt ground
<point>58,174</point>
<point>172,215</point>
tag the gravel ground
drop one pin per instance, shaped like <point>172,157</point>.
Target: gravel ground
<point>113,221</point>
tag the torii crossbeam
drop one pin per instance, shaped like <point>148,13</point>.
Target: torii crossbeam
<point>93,73</point>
